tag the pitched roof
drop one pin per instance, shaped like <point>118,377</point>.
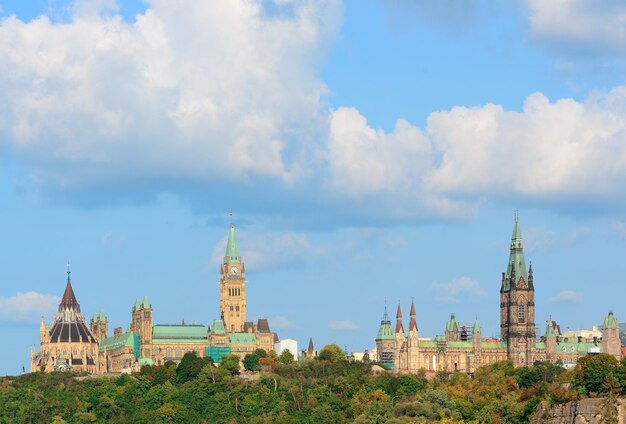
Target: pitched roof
<point>311,349</point>
<point>263,326</point>
<point>180,332</point>
<point>232,252</point>
<point>69,299</point>
<point>517,265</point>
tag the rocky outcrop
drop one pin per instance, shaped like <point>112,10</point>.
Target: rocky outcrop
<point>585,411</point>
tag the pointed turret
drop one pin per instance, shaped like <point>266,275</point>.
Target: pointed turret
<point>69,299</point>
<point>550,329</point>
<point>311,349</point>
<point>399,326</point>
<point>146,302</point>
<point>137,304</point>
<point>384,331</point>
<point>516,267</point>
<point>476,329</point>
<point>232,252</point>
<point>412,322</point>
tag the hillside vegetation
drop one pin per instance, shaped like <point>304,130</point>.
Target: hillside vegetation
<point>327,389</point>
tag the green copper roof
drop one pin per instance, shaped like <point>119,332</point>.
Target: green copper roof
<point>610,320</point>
<point>180,332</point>
<point>516,259</point>
<point>242,339</point>
<point>146,303</point>
<point>232,252</point>
<point>218,327</point>
<point>385,332</point>
<point>137,304</point>
<point>540,345</point>
<point>550,330</point>
<point>464,345</point>
<point>451,324</point>
<point>476,327</point>
<point>102,317</point>
<point>110,343</point>
<point>94,318</point>
<point>493,345</point>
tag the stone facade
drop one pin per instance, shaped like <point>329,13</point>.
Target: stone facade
<point>68,344</point>
<point>461,348</point>
<point>92,350</point>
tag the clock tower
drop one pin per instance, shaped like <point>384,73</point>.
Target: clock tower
<point>517,305</point>
<point>233,286</point>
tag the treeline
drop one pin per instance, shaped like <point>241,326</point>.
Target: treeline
<point>327,389</point>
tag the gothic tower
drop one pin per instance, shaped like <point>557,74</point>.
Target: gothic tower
<point>385,342</point>
<point>400,351</point>
<point>517,305</point>
<point>233,286</point>
<point>413,342</point>
<point>142,324</point>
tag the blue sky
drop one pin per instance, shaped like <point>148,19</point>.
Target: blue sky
<point>368,149</point>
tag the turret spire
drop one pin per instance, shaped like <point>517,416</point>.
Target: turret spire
<point>399,326</point>
<point>232,252</point>
<point>68,301</point>
<point>516,267</point>
<point>412,322</point>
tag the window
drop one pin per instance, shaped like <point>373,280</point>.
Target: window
<point>521,313</point>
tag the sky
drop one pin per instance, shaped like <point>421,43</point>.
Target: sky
<point>371,151</point>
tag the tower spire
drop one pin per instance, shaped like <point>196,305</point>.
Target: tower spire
<point>232,251</point>
<point>412,322</point>
<point>399,326</point>
<point>68,301</point>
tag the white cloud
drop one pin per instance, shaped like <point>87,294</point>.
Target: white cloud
<point>191,90</point>
<point>619,227</point>
<point>450,292</point>
<point>587,25</point>
<point>567,296</point>
<point>266,249</point>
<point>281,323</point>
<point>365,161</point>
<point>28,307</point>
<point>342,325</point>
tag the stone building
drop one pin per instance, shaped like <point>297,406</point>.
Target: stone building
<point>145,343</point>
<point>68,344</point>
<point>462,348</point>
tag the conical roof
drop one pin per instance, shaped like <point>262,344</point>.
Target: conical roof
<point>69,299</point>
<point>412,312</point>
<point>146,302</point>
<point>476,329</point>
<point>517,264</point>
<point>232,251</point>
<point>311,349</point>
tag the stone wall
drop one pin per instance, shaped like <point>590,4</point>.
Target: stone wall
<point>585,411</point>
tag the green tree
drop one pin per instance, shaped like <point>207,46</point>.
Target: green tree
<point>592,371</point>
<point>231,364</point>
<point>286,357</point>
<point>251,362</point>
<point>332,353</point>
<point>190,366</point>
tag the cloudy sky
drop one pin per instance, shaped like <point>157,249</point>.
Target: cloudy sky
<point>368,149</point>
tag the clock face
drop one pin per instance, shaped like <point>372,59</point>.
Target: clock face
<point>234,270</point>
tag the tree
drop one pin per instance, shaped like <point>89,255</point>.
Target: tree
<point>286,357</point>
<point>591,372</point>
<point>332,353</point>
<point>231,364</point>
<point>190,366</point>
<point>251,362</point>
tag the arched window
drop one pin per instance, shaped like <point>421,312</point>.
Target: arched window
<point>168,352</point>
